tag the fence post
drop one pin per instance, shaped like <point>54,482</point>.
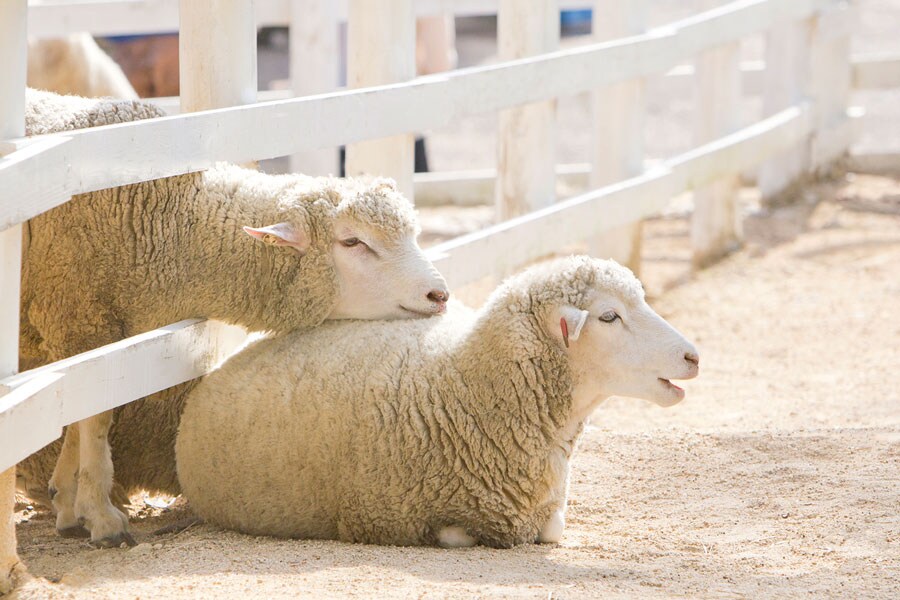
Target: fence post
<point>786,83</point>
<point>830,82</point>
<point>217,54</point>
<point>314,70</point>
<point>526,144</point>
<point>618,137</point>
<point>13,52</point>
<point>716,225</point>
<point>381,49</point>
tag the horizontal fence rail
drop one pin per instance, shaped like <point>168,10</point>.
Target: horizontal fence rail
<point>129,17</point>
<point>47,170</point>
<point>49,398</point>
<point>541,233</point>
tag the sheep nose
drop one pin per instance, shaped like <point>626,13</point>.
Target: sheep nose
<point>692,357</point>
<point>439,296</point>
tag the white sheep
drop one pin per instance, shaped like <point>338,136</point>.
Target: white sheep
<point>75,64</point>
<point>118,262</point>
<point>451,431</point>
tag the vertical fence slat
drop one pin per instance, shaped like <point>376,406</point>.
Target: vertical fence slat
<point>618,136</point>
<point>715,225</point>
<point>314,70</point>
<point>526,144</point>
<point>13,49</point>
<point>381,49</point>
<point>785,84</point>
<point>217,54</point>
<point>830,83</point>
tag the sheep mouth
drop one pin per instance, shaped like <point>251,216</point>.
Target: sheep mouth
<point>423,314</point>
<point>672,387</point>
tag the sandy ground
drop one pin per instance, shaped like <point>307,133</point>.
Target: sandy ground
<point>779,476</point>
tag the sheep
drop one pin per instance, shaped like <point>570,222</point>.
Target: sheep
<point>117,262</point>
<point>75,64</point>
<point>452,431</point>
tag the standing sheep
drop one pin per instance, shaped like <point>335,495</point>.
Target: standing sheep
<point>117,262</point>
<point>453,431</point>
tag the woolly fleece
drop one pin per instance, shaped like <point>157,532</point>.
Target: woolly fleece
<point>457,421</point>
<point>114,263</point>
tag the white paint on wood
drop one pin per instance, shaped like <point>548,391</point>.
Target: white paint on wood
<point>618,137</point>
<point>526,139</point>
<point>830,78</point>
<point>715,224</point>
<point>475,187</point>
<point>13,56</point>
<point>786,83</point>
<point>53,396</point>
<point>117,17</point>
<point>511,244</point>
<point>381,49</point>
<point>144,150</point>
<point>314,70</point>
<point>217,54</point>
<point>876,72</point>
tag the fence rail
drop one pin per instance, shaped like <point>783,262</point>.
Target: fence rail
<point>50,169</point>
<point>37,174</point>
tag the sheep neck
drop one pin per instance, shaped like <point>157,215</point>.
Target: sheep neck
<point>534,390</point>
<point>228,275</point>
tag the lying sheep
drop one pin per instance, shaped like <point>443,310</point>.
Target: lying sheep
<point>117,262</point>
<point>452,431</point>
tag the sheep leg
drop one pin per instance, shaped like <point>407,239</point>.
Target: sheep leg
<point>455,536</point>
<point>552,530</point>
<point>107,524</point>
<point>64,486</point>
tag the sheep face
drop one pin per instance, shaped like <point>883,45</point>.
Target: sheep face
<point>621,347</point>
<point>381,271</point>
<point>383,274</point>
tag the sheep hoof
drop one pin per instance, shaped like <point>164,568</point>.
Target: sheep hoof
<point>553,529</point>
<point>75,531</point>
<point>114,541</point>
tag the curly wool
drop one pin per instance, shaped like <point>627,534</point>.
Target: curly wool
<point>458,421</point>
<point>114,263</point>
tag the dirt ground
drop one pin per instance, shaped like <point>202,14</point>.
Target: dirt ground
<point>778,476</point>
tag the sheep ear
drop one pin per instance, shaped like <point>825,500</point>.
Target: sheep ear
<point>281,234</point>
<point>568,321</point>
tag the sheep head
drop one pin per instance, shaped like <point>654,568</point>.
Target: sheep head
<point>365,231</point>
<point>616,344</point>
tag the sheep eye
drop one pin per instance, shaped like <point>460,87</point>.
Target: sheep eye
<point>609,316</point>
<point>350,242</point>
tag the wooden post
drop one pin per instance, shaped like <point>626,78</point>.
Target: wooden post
<point>526,144</point>
<point>830,80</point>
<point>217,54</point>
<point>314,70</point>
<point>715,225</point>
<point>13,56</point>
<point>618,148</point>
<point>381,49</point>
<point>786,83</point>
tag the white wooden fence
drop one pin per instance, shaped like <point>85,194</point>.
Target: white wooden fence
<point>806,126</point>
